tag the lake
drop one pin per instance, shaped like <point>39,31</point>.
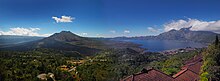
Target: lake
<point>162,45</point>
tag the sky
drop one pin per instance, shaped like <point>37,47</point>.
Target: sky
<point>107,18</point>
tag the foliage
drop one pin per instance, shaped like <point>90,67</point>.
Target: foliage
<point>211,65</point>
<point>107,65</point>
<point>25,66</point>
<point>173,63</point>
<point>204,76</point>
<point>114,64</point>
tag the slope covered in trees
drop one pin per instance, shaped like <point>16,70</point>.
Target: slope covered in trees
<point>112,64</point>
<point>211,65</point>
<point>26,66</point>
<point>173,63</point>
<point>107,65</point>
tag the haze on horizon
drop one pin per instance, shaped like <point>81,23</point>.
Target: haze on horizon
<point>107,18</point>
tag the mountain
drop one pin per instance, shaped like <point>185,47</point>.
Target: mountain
<point>185,34</point>
<point>137,37</point>
<point>68,41</point>
<point>65,36</point>
<point>14,39</point>
<point>65,40</point>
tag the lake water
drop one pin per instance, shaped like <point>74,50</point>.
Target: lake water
<point>161,45</point>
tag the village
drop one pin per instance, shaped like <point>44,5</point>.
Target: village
<point>180,50</point>
<point>65,68</point>
<point>189,72</point>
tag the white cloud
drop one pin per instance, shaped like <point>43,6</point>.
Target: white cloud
<point>63,19</point>
<point>45,35</point>
<point>23,32</point>
<point>84,34</point>
<point>197,25</point>
<point>99,35</point>
<point>112,31</point>
<point>126,31</point>
<point>151,29</point>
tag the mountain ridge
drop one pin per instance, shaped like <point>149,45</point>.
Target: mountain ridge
<point>65,40</point>
<point>64,36</point>
<point>16,39</point>
<point>184,34</point>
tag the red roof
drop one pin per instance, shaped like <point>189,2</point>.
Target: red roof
<point>179,73</point>
<point>187,75</point>
<point>151,75</point>
<point>195,67</point>
<point>190,72</point>
<point>194,59</point>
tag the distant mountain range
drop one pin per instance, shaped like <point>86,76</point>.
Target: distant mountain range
<point>67,41</point>
<point>64,40</point>
<point>184,34</point>
<point>13,39</point>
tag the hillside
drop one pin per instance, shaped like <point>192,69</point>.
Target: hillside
<point>185,34</point>
<point>211,65</point>
<point>64,40</point>
<point>14,39</point>
<point>65,36</point>
<point>113,64</point>
<point>68,41</point>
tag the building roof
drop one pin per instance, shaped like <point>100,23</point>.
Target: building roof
<point>151,75</point>
<point>196,67</point>
<point>190,72</point>
<point>194,59</point>
<point>193,64</point>
<point>186,75</point>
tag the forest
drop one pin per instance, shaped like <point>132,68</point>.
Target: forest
<point>211,65</point>
<point>107,65</point>
<point>110,64</point>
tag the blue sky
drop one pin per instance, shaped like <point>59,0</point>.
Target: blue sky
<point>107,18</point>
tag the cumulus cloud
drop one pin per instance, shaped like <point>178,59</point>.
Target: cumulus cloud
<point>195,24</point>
<point>63,19</point>
<point>126,31</point>
<point>112,31</point>
<point>23,32</point>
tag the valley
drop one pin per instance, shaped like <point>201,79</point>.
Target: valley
<point>65,56</point>
<point>109,40</point>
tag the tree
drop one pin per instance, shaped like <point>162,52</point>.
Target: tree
<point>211,65</point>
<point>216,41</point>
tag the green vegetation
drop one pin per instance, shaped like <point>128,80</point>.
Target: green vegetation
<point>211,64</point>
<point>173,63</point>
<point>25,66</point>
<point>107,65</point>
<point>114,64</point>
